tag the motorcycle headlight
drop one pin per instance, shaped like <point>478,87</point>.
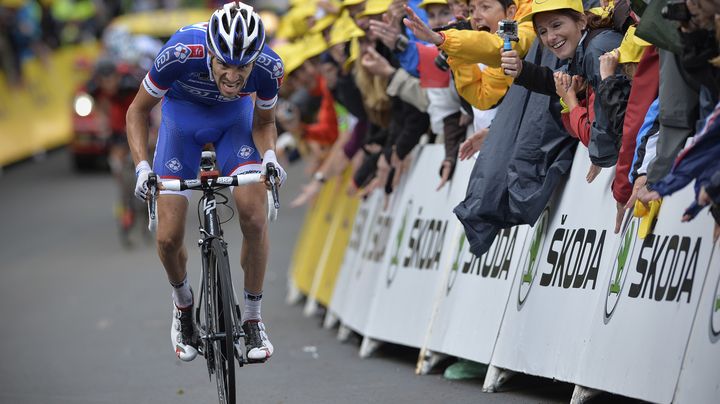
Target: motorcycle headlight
<point>83,104</point>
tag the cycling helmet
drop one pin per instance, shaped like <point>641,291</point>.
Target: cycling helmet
<point>235,34</point>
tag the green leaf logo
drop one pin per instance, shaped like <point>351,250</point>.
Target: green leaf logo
<point>622,258</point>
<point>456,264</point>
<point>399,238</point>
<point>534,251</point>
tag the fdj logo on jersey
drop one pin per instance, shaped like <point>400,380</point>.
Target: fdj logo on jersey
<point>625,250</point>
<point>535,241</point>
<point>178,53</point>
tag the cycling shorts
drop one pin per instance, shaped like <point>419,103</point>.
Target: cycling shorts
<point>186,127</point>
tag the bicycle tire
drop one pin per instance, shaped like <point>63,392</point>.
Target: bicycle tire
<point>222,309</point>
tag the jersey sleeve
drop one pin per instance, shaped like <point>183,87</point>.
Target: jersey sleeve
<point>272,73</point>
<point>170,64</point>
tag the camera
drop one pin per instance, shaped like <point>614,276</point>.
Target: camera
<point>441,59</point>
<point>508,29</point>
<point>676,10</point>
<point>459,24</point>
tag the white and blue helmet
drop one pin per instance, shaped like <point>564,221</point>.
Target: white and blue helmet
<point>235,34</point>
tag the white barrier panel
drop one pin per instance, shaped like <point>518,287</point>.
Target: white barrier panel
<point>641,327</point>
<point>351,259</point>
<point>410,273</point>
<point>364,275</point>
<point>562,276</point>
<point>699,381</point>
<point>474,291</point>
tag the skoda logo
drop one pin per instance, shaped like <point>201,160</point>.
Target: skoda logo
<point>535,241</point>
<point>715,313</point>
<point>456,263</point>
<point>621,263</point>
<point>395,259</point>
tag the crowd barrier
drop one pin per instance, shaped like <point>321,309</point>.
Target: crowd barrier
<point>36,116</point>
<point>566,299</point>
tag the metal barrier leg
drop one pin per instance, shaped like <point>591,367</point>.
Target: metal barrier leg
<point>344,333</point>
<point>331,320</point>
<point>311,307</point>
<point>583,394</point>
<point>368,347</point>
<point>294,295</point>
<point>427,360</point>
<point>495,378</point>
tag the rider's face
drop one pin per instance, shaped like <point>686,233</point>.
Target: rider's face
<point>228,78</point>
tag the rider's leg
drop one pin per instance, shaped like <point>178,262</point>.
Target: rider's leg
<point>251,202</point>
<point>172,210</point>
<point>170,232</point>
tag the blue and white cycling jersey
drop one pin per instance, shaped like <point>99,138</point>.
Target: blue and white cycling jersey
<point>182,71</point>
<point>194,112</point>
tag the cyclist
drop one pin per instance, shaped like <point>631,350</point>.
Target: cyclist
<point>206,75</point>
<point>113,86</point>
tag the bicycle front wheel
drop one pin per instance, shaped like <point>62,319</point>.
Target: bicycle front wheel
<point>223,324</point>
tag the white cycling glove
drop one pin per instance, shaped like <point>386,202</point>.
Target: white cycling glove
<point>270,157</point>
<point>142,170</point>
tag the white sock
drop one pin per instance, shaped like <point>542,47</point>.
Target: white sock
<point>181,295</point>
<point>252,306</point>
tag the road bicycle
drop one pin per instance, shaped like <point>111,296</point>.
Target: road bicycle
<point>217,313</point>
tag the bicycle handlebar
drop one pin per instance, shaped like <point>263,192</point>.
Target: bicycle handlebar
<point>234,181</point>
<point>219,182</point>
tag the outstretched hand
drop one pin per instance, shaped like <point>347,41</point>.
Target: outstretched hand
<point>421,30</point>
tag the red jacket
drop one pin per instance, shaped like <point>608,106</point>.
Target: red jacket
<point>325,129</point>
<point>577,122</point>
<point>645,85</point>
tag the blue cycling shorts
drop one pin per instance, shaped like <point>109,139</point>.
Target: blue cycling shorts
<point>186,127</point>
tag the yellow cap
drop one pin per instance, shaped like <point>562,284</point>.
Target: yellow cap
<point>291,56</point>
<point>348,3</point>
<point>426,3</point>
<point>323,23</point>
<point>344,29</point>
<point>312,45</point>
<point>631,48</point>
<point>541,6</point>
<point>354,53</point>
<point>375,7</point>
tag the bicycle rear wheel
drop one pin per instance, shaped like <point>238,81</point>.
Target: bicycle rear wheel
<point>222,323</point>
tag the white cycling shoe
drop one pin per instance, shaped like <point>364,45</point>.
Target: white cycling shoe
<point>182,334</point>
<point>257,343</point>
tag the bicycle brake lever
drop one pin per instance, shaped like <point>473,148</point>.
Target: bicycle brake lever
<point>152,202</point>
<point>272,176</point>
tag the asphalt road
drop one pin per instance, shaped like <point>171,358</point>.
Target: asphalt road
<point>86,321</point>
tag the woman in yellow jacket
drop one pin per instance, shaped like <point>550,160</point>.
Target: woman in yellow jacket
<point>482,86</point>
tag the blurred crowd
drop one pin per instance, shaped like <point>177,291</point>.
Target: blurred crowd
<point>33,28</point>
<point>515,84</point>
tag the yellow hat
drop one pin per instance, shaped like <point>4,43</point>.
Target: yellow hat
<point>354,53</point>
<point>290,55</point>
<point>348,3</point>
<point>426,3</point>
<point>631,48</point>
<point>375,7</point>
<point>323,23</point>
<point>344,29</point>
<point>312,45</point>
<point>541,6</point>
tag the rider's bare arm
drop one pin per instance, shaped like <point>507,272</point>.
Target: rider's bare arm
<point>264,130</point>
<point>138,119</point>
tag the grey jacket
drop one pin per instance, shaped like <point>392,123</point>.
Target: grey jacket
<point>525,156</point>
